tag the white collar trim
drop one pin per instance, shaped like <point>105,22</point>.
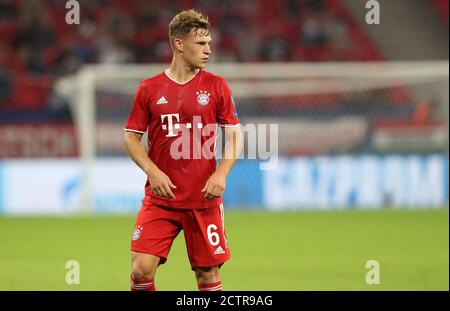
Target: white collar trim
<point>167,74</point>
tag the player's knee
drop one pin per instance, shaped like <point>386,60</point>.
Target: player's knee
<point>207,274</point>
<point>143,266</point>
<point>140,272</point>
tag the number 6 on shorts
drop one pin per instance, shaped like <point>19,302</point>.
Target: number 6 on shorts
<point>213,237</point>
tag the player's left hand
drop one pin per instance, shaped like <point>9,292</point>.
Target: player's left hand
<point>215,186</point>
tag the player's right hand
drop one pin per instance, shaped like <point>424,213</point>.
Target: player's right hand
<point>160,184</point>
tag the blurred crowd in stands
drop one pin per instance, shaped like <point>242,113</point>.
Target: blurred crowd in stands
<point>37,45</point>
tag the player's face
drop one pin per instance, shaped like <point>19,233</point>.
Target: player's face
<point>197,48</point>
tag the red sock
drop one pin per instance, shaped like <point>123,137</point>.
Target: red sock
<point>142,285</point>
<point>213,287</point>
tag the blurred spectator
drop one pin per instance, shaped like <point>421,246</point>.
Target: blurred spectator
<point>249,44</point>
<point>5,77</point>
<point>275,48</point>
<point>313,31</point>
<point>5,86</point>
<point>112,50</point>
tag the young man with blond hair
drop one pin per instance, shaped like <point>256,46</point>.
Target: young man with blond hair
<point>181,107</point>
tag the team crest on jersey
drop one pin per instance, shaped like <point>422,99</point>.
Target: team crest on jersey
<point>137,233</point>
<point>203,97</point>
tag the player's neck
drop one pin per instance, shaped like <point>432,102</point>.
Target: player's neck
<point>181,72</point>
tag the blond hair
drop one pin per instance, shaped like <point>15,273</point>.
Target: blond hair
<point>185,22</point>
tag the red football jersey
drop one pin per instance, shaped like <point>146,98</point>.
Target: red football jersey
<point>181,120</point>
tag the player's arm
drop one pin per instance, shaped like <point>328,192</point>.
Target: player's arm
<point>160,183</point>
<point>215,186</point>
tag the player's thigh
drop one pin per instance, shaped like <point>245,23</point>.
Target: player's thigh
<point>205,236</point>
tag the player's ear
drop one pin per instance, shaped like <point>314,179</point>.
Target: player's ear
<point>178,44</point>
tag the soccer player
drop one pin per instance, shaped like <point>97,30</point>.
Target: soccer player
<point>180,109</point>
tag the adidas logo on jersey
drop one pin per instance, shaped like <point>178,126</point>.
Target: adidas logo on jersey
<point>161,101</point>
<point>219,250</point>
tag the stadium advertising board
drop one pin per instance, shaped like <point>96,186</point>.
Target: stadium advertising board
<point>365,182</point>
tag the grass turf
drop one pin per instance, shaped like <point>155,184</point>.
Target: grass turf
<point>270,251</point>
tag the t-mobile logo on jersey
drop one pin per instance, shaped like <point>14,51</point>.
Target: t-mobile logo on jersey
<point>171,126</point>
<point>191,140</point>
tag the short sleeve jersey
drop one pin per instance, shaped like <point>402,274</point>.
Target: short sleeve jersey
<point>181,121</point>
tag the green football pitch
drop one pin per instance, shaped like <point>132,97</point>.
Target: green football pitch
<point>270,251</point>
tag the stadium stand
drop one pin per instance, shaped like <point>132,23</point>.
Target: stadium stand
<point>37,45</point>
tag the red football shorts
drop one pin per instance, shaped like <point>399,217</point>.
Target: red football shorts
<point>157,227</point>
